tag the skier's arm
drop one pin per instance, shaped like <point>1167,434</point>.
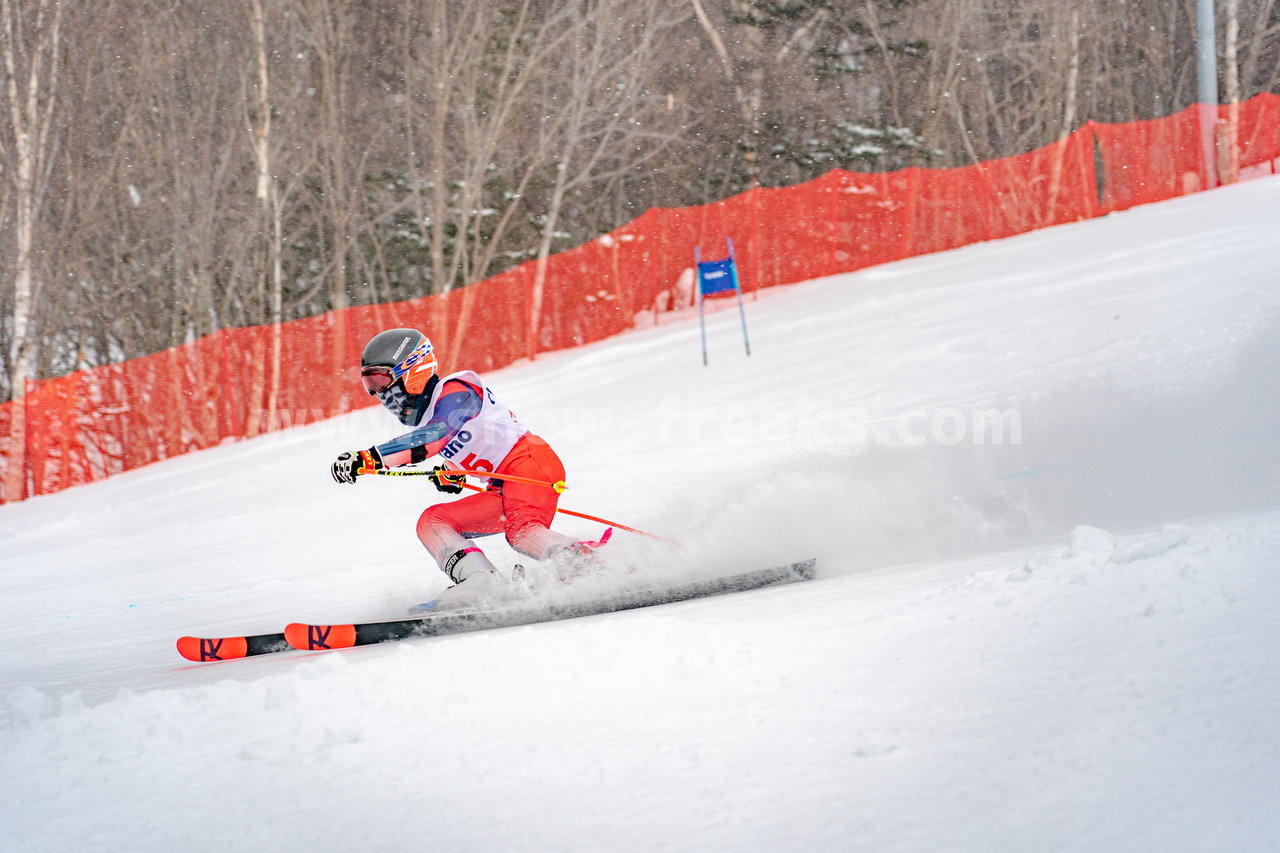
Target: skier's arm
<point>458,403</point>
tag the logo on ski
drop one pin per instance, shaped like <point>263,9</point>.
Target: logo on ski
<point>318,637</point>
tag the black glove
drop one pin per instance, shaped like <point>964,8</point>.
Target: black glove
<point>446,482</point>
<point>354,463</point>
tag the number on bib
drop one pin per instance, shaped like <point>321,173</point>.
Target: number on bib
<point>471,463</point>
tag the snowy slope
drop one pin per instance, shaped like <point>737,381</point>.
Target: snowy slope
<point>981,665</point>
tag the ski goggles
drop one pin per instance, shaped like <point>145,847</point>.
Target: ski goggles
<point>377,379</point>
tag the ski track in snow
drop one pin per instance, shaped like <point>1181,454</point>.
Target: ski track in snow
<point>1062,640</point>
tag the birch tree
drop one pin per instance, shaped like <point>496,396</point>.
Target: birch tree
<point>268,199</point>
<point>467,72</point>
<point>599,120</point>
<point>1229,148</point>
<point>32,52</point>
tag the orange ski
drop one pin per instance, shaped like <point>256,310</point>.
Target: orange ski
<point>313,638</point>
<point>204,649</point>
<point>321,637</point>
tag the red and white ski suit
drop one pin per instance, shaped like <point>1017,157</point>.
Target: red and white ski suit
<point>465,425</point>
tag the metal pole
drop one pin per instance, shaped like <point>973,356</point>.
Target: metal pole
<point>1207,89</point>
<point>697,283</point>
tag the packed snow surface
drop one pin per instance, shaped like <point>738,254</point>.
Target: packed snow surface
<point>1040,479</point>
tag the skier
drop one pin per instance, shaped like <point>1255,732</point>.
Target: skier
<point>457,418</point>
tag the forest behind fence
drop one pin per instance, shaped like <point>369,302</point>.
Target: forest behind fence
<point>242,382</point>
<point>174,173</point>
<point>170,168</point>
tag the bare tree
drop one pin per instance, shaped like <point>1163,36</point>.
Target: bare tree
<point>599,117</point>
<point>268,201</point>
<point>327,26</point>
<point>32,54</point>
<point>747,93</point>
<point>465,77</point>
<point>1259,59</point>
<point>189,167</point>
<point>1071,21</point>
<point>1229,145</point>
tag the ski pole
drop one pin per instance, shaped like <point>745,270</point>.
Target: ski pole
<point>615,524</point>
<point>559,486</point>
<point>590,518</point>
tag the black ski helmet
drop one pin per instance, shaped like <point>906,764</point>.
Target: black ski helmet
<point>398,366</point>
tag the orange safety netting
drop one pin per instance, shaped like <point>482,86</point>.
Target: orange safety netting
<point>238,383</point>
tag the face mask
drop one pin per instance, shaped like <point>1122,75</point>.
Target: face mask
<point>396,401</point>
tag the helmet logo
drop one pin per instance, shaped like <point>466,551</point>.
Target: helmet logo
<point>418,368</point>
<point>403,344</point>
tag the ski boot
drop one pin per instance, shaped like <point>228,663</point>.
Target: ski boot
<point>476,583</point>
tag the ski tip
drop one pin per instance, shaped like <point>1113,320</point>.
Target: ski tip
<point>311,638</point>
<point>598,543</point>
<point>202,650</point>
